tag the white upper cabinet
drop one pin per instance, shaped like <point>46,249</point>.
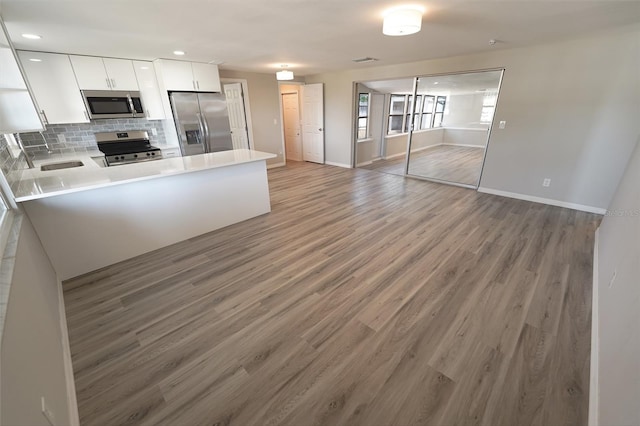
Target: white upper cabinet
<point>17,110</point>
<point>206,77</point>
<point>149,90</point>
<point>121,74</point>
<point>177,75</point>
<point>188,76</point>
<point>54,86</point>
<point>95,73</point>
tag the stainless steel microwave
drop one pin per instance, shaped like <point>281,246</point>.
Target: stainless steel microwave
<point>113,104</point>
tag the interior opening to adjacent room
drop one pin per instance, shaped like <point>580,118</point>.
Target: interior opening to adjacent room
<point>432,127</point>
<point>302,117</point>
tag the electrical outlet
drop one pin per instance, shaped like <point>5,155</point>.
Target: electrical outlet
<point>47,413</point>
<point>154,131</point>
<point>61,138</point>
<point>546,182</point>
<point>502,124</point>
<point>275,121</point>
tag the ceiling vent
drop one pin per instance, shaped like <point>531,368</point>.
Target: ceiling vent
<point>364,60</point>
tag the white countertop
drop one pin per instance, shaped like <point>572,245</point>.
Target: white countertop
<point>34,184</point>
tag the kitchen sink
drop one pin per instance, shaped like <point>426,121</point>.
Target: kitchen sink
<point>63,165</point>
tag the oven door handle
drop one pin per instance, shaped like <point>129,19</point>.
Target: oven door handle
<point>202,132</point>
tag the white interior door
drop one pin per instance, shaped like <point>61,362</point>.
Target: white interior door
<point>291,118</point>
<point>237,117</point>
<point>313,123</point>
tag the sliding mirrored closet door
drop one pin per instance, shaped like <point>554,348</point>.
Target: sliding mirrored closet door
<point>451,117</point>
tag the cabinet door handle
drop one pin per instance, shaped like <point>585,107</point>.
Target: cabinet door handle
<point>198,84</point>
<point>193,82</point>
<point>113,83</point>
<point>108,83</point>
<point>44,117</point>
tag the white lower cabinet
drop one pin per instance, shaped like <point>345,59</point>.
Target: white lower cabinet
<point>54,86</point>
<point>171,152</point>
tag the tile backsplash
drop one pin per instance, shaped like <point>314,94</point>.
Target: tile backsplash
<point>9,163</point>
<point>79,137</point>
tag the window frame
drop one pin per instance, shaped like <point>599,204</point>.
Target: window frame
<point>365,117</point>
<point>418,112</point>
<point>391,114</point>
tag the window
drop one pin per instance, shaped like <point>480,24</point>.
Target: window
<point>427,112</point>
<point>488,107</point>
<point>396,114</point>
<point>416,111</point>
<point>363,115</point>
<point>441,102</point>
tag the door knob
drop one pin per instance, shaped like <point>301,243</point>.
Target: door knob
<point>320,129</point>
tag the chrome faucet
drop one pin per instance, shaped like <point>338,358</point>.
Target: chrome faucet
<point>24,151</point>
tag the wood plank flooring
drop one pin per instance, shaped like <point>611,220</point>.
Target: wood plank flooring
<point>459,164</point>
<point>362,299</point>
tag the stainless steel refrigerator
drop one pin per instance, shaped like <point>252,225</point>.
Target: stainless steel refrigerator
<point>202,122</point>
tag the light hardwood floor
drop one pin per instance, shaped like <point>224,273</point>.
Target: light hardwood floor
<point>459,164</point>
<point>362,299</point>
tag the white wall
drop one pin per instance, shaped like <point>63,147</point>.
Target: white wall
<point>264,102</point>
<point>33,352</point>
<point>618,317</point>
<point>464,110</point>
<point>571,108</point>
<point>466,137</point>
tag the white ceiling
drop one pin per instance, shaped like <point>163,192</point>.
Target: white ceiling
<point>311,35</point>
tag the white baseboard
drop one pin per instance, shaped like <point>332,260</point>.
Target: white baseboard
<point>594,397</point>
<point>549,201</point>
<point>271,166</point>
<point>74,418</point>
<point>331,163</point>
<point>390,157</point>
<point>464,145</point>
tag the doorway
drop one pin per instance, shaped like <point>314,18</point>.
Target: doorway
<point>291,124</point>
<point>238,102</point>
<point>302,117</point>
<point>237,115</point>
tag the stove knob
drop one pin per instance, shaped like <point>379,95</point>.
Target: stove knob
<point>148,154</point>
<point>116,158</point>
<point>153,153</point>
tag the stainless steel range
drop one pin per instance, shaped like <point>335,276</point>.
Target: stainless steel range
<point>127,147</point>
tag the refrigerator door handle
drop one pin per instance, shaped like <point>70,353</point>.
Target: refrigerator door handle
<point>202,132</point>
<point>207,134</point>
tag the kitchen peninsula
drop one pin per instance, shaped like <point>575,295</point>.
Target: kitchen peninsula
<point>90,217</point>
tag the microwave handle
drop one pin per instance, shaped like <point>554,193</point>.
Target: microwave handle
<point>131,107</point>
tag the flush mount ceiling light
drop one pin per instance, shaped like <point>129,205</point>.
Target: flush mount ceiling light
<point>35,60</point>
<point>32,36</point>
<point>178,52</point>
<point>284,74</point>
<point>402,20</point>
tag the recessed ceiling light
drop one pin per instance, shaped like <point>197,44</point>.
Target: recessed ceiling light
<point>32,36</point>
<point>435,82</point>
<point>35,60</point>
<point>144,68</point>
<point>178,52</point>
